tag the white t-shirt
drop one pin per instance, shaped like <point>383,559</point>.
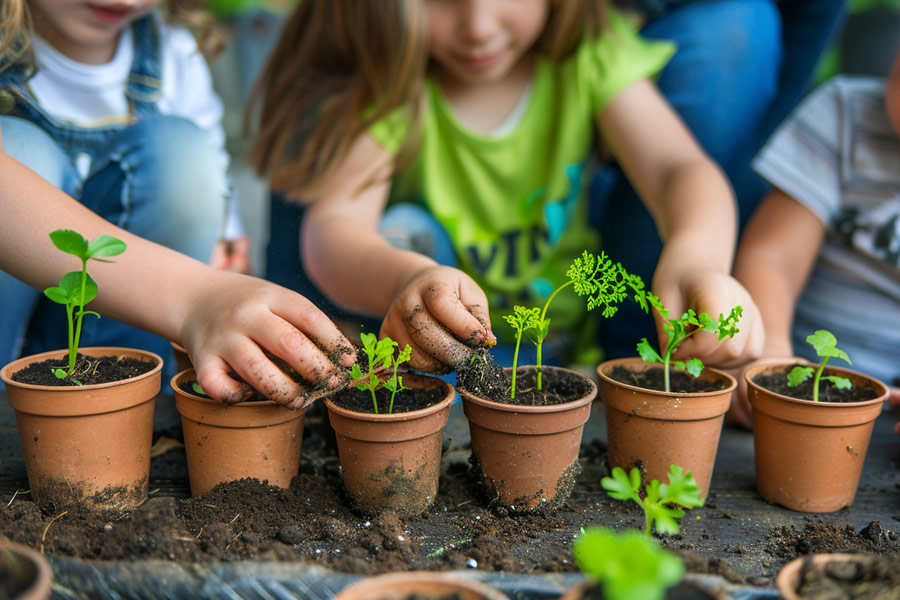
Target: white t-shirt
<point>94,95</point>
<point>839,156</point>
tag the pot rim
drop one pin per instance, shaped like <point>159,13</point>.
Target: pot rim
<point>788,575</point>
<point>402,416</point>
<point>193,372</point>
<point>662,393</point>
<point>11,367</point>
<point>44,572</point>
<point>752,372</point>
<point>412,577</point>
<point>527,408</point>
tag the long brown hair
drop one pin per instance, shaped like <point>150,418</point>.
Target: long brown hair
<point>342,65</point>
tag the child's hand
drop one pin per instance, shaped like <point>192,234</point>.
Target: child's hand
<point>715,293</point>
<point>435,309</point>
<point>740,411</point>
<point>238,317</point>
<point>232,255</point>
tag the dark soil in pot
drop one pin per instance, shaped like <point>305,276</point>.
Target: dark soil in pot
<point>405,401</point>
<point>654,379</point>
<point>483,378</point>
<point>864,578</point>
<point>777,382</point>
<point>681,591</point>
<point>89,370</point>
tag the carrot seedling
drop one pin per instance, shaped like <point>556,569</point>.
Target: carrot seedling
<point>77,288</point>
<point>380,354</point>
<point>661,501</point>
<point>826,346</point>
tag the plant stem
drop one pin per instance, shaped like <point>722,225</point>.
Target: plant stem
<point>817,378</point>
<point>515,367</point>
<point>73,348</point>
<point>540,340</point>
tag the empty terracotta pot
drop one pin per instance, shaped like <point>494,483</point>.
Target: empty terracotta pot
<point>527,455</point>
<point>86,444</point>
<point>223,443</point>
<point>419,584</point>
<point>393,461</point>
<point>654,429</point>
<point>809,455</point>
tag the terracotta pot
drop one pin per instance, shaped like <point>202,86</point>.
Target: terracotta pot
<point>788,579</point>
<point>420,584</point>
<point>182,358</point>
<point>809,455</point>
<point>392,461</point>
<point>249,439</point>
<point>655,429</point>
<point>527,455</point>
<point>24,573</point>
<point>685,589</point>
<point>86,444</point>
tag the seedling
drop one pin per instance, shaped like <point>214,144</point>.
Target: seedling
<point>678,330</point>
<point>381,358</point>
<point>627,565</point>
<point>77,288</point>
<point>605,284</point>
<point>661,501</point>
<point>826,346</point>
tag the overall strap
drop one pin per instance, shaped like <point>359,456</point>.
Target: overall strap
<point>145,82</point>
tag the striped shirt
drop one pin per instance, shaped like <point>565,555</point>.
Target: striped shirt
<point>838,155</point>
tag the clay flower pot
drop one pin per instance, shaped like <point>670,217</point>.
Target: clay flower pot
<point>685,589</point>
<point>86,444</point>
<point>654,429</point>
<point>527,455</point>
<point>418,584</point>
<point>790,577</point>
<point>392,461</point>
<point>809,455</point>
<point>24,573</point>
<point>223,443</point>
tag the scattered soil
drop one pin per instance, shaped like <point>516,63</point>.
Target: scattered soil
<point>818,538</point>
<point>863,578</point>
<point>89,370</point>
<point>654,379</point>
<point>777,382</point>
<point>483,378</point>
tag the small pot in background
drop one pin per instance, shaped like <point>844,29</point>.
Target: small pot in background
<point>419,584</point>
<point>24,573</point>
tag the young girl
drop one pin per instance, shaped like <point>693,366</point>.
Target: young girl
<point>116,109</point>
<point>823,250</point>
<point>484,112</point>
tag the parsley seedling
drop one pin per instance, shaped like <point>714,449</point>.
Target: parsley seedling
<point>660,502</point>
<point>826,346</point>
<point>77,288</point>
<point>381,358</point>
<point>678,330</point>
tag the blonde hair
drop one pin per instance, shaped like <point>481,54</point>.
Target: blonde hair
<point>342,65</point>
<point>16,26</point>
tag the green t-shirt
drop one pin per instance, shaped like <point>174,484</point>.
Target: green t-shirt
<point>515,205</point>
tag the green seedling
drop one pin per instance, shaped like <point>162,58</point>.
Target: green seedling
<point>826,346</point>
<point>626,565</point>
<point>77,288</point>
<point>605,284</point>
<point>381,358</point>
<point>661,501</point>
<point>678,330</point>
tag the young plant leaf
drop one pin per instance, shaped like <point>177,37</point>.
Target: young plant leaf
<point>661,501</point>
<point>70,242</point>
<point>826,345</point>
<point>105,246</point>
<point>798,375</point>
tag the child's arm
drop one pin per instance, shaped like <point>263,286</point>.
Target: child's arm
<point>777,252</point>
<point>225,320</point>
<point>692,204</point>
<point>428,306</point>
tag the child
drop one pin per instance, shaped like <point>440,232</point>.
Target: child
<point>483,111</point>
<point>823,250</point>
<point>116,109</point>
<point>224,319</point>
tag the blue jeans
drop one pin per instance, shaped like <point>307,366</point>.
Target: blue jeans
<point>741,67</point>
<point>160,179</point>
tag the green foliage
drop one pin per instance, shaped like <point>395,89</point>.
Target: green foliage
<point>678,330</point>
<point>77,288</point>
<point>627,565</point>
<point>826,346</point>
<point>381,359</point>
<point>605,284</point>
<point>661,501</point>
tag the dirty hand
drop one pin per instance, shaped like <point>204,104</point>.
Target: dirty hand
<point>236,318</point>
<point>232,255</point>
<point>715,293</point>
<point>443,315</point>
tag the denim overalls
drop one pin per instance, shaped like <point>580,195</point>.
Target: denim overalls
<point>158,177</point>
